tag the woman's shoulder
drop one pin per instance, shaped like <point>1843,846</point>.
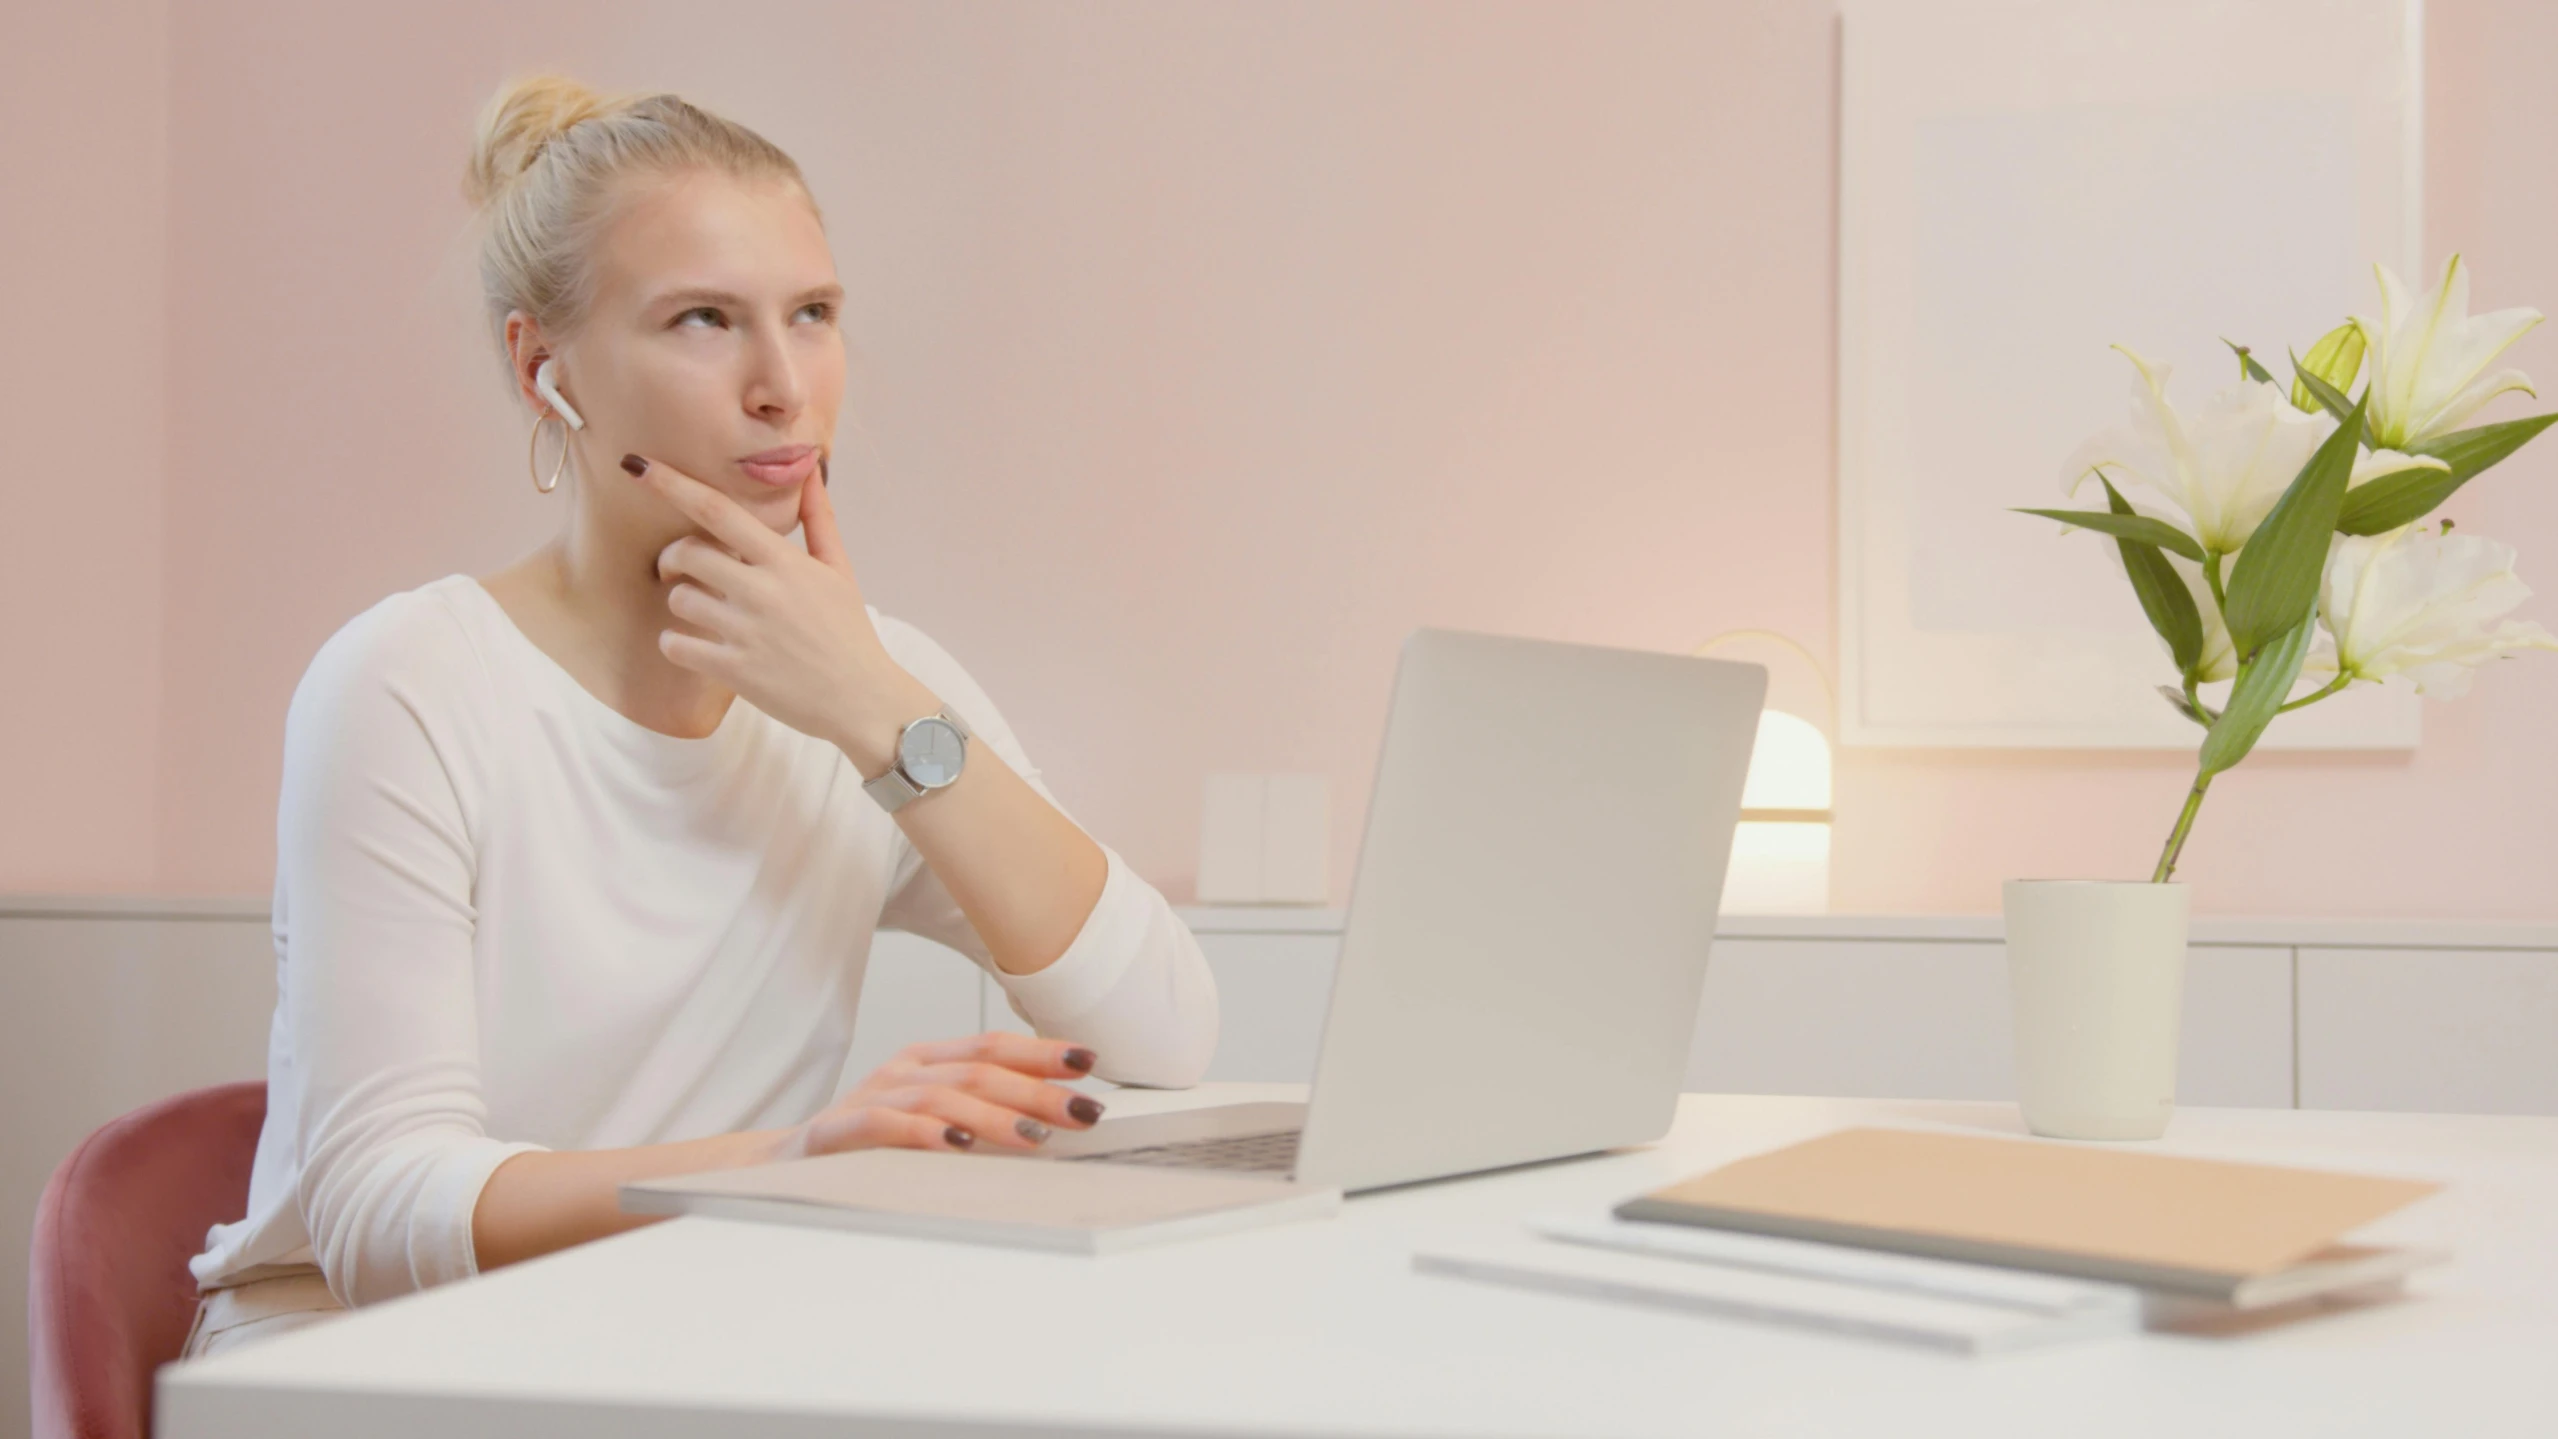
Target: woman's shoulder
<point>421,637</point>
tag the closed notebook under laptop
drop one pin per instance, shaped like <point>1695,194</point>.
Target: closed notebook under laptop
<point>986,1199</point>
<point>1527,932</point>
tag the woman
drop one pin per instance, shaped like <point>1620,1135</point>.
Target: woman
<point>578,865</point>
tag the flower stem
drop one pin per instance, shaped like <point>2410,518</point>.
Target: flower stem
<point>2333,686</point>
<point>2211,572</point>
<point>2184,826</point>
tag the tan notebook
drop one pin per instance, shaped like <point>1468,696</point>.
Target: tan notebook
<point>2242,1234</point>
<point>988,1199</point>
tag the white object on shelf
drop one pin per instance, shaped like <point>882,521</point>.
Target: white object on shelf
<point>1265,839</point>
<point>1230,839</point>
<point>1296,829</point>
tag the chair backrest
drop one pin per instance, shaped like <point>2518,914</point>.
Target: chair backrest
<point>109,1296</point>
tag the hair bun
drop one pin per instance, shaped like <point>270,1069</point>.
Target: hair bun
<point>523,117</point>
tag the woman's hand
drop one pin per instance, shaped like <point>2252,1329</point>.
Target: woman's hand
<point>952,1093</point>
<point>785,627</point>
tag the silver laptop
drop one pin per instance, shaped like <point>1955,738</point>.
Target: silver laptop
<point>1527,935</point>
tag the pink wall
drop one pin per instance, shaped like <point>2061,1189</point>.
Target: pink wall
<point>1200,351</point>
<point>83,252</point>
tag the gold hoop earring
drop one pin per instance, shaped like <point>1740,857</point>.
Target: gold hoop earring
<point>533,454</point>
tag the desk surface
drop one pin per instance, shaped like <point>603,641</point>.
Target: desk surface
<point>702,1326</point>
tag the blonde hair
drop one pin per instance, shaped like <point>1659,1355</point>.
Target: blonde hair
<point>551,158</point>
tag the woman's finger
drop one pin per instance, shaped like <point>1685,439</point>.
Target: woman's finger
<point>869,1126</point>
<point>1047,1058</point>
<point>817,525</point>
<point>697,606</point>
<point>702,656</point>
<point>693,558</point>
<point>723,518</point>
<point>995,1125</point>
<point>1053,1103</point>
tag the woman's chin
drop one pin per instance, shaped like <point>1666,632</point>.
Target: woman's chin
<point>776,508</point>
<point>765,502</point>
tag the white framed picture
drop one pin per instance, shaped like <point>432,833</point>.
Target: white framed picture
<point>2023,184</point>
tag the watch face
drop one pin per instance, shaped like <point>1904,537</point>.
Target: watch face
<point>930,752</point>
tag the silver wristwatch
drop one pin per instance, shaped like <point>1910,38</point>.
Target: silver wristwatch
<point>930,754</point>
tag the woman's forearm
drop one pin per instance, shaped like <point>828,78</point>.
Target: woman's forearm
<point>544,1200</point>
<point>1025,875</point>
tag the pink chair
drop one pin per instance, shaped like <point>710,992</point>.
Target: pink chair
<point>109,1298</point>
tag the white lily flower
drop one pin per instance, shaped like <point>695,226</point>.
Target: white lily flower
<point>2222,469</point>
<point>2425,604</point>
<point>2429,358</point>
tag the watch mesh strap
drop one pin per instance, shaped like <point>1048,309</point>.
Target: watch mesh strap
<point>893,789</point>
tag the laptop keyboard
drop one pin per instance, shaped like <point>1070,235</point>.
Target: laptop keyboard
<point>1272,1152</point>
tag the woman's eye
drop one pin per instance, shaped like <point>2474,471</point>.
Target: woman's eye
<point>818,309</point>
<point>703,311</point>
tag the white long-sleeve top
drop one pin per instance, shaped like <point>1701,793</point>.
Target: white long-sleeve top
<point>509,917</point>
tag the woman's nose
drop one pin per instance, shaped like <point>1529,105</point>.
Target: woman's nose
<point>774,386</point>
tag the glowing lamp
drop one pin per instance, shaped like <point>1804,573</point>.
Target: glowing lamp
<point>1781,850</point>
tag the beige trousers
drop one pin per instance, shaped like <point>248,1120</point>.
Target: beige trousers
<point>260,1309</point>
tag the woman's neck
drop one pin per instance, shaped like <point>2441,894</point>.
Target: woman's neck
<point>596,608</point>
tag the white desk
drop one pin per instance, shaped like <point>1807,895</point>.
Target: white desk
<point>708,1327</point>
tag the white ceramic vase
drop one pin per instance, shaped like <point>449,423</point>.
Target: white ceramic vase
<point>2097,972</point>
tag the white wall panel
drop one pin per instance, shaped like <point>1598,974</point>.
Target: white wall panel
<point>2472,1032</point>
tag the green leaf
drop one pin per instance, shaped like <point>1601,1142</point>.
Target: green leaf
<point>2410,495</point>
<point>2329,398</point>
<point>2263,684</point>
<point>2163,595</point>
<point>2336,358</point>
<point>2128,526</point>
<point>2275,582</point>
<point>2195,710</point>
<point>2470,451</point>
<point>2248,369</point>
<point>2393,500</point>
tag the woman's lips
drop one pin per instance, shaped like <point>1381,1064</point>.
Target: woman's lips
<point>783,465</point>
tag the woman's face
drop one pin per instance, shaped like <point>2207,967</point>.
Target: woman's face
<point>711,344</point>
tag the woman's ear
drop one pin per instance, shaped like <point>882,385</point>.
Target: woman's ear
<point>526,348</point>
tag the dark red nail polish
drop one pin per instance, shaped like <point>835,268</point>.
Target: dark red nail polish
<point>825,476</point>
<point>1085,1108</point>
<point>1078,1059</point>
<point>635,465</point>
<point>958,1138</point>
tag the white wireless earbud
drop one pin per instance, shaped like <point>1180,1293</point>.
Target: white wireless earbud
<point>550,390</point>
